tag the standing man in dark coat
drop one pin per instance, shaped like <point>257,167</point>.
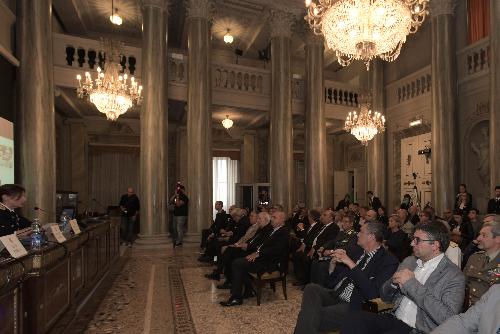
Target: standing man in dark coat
<point>373,201</point>
<point>180,214</point>
<point>494,203</point>
<point>129,206</point>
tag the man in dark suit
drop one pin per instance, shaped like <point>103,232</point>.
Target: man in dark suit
<point>270,256</point>
<point>301,262</point>
<point>373,201</point>
<point>494,203</point>
<point>353,281</point>
<point>218,223</point>
<point>327,233</point>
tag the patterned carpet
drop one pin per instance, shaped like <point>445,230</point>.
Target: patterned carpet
<point>165,291</point>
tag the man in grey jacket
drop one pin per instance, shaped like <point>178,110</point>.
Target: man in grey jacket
<point>426,290</point>
<point>483,317</point>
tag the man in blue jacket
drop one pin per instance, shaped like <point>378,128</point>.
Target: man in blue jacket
<point>356,278</point>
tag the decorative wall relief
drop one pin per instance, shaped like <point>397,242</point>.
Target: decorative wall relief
<point>479,140</point>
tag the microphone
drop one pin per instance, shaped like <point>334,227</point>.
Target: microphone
<point>36,208</point>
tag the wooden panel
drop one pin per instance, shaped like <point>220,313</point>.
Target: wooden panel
<point>77,272</point>
<point>57,294</point>
<point>91,262</point>
<point>9,312</point>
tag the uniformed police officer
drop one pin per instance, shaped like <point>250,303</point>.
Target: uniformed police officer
<point>12,196</point>
<point>483,268</point>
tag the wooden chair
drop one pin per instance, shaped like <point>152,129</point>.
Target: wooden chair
<point>271,278</point>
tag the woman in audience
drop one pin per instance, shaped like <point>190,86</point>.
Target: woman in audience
<point>12,196</point>
<point>463,201</point>
<point>462,233</point>
<point>382,215</point>
<point>397,241</point>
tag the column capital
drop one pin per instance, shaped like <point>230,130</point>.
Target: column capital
<point>442,7</point>
<point>200,8</point>
<point>280,23</point>
<point>308,36</point>
<point>161,4</point>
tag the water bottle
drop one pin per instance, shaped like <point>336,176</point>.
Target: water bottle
<point>36,235</point>
<point>64,223</point>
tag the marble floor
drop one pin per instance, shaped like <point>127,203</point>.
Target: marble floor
<point>165,291</point>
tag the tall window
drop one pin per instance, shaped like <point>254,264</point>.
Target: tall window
<point>478,18</point>
<point>225,177</point>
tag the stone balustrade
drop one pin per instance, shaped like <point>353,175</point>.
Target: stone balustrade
<point>240,78</point>
<point>86,54</point>
<point>474,59</point>
<point>412,86</point>
<point>338,93</point>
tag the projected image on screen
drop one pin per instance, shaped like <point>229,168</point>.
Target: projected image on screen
<point>6,152</point>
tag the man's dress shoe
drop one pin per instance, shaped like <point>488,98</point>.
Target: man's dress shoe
<point>232,302</point>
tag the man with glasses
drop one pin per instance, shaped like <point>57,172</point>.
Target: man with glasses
<point>426,289</point>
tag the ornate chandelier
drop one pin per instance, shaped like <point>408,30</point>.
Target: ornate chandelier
<point>365,29</point>
<point>365,125</point>
<point>110,91</point>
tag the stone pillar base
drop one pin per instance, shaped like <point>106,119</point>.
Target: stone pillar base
<point>160,241</point>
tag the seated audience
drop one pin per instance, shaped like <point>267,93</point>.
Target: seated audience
<point>483,268</point>
<point>373,201</point>
<point>474,221</point>
<point>481,318</point>
<point>426,290</point>
<point>301,262</point>
<point>397,241</point>
<point>328,232</point>
<point>413,215</point>
<point>12,197</point>
<point>406,202</point>
<point>494,203</point>
<point>473,246</point>
<point>382,215</point>
<point>354,280</point>
<point>324,265</point>
<point>406,223</point>
<point>463,200</point>
<point>218,223</point>
<point>272,255</point>
<point>215,275</point>
<point>345,202</point>
<point>462,233</point>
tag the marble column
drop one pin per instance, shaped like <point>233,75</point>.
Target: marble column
<point>376,170</point>
<point>444,85</point>
<point>199,120</point>
<point>153,156</point>
<point>248,157</point>
<point>494,95</point>
<point>315,127</point>
<point>280,132</point>
<point>35,125</point>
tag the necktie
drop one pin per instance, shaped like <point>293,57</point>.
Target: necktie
<point>346,281</point>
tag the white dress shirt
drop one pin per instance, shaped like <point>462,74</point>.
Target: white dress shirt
<point>322,230</point>
<point>407,309</point>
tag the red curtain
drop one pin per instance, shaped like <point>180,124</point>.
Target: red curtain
<point>479,19</point>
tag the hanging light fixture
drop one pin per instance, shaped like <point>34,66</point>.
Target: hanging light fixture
<point>111,92</point>
<point>227,122</point>
<point>365,29</point>
<point>365,125</point>
<point>115,18</point>
<point>228,38</point>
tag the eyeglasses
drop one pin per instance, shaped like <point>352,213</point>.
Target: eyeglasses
<point>417,240</point>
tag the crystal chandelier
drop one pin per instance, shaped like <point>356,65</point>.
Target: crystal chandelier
<point>110,91</point>
<point>365,125</point>
<point>365,29</point>
<point>227,122</point>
